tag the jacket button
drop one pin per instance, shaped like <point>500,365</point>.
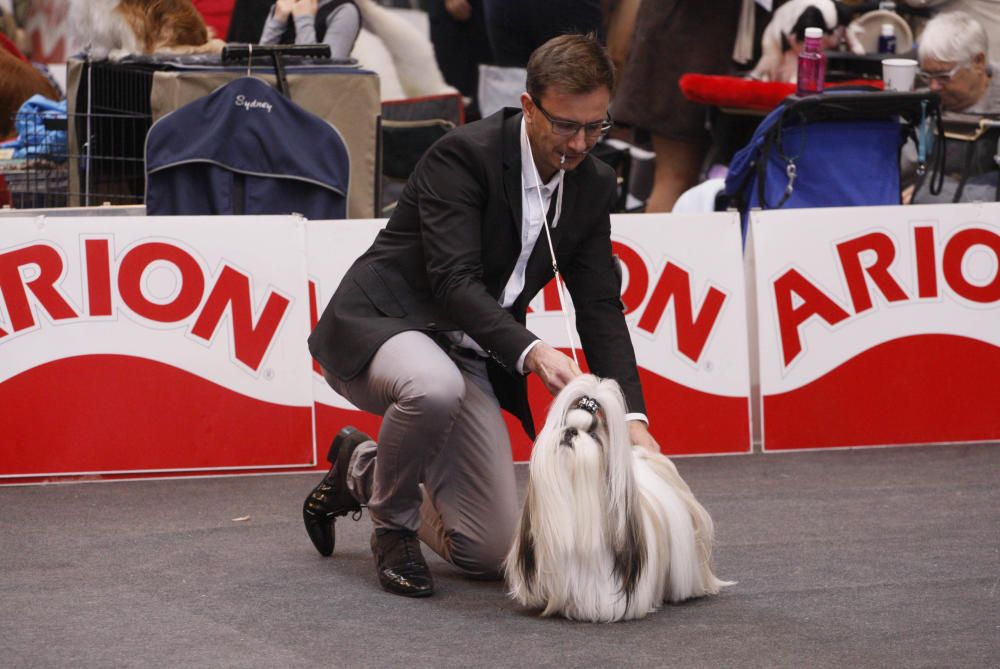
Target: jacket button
<point>432,325</point>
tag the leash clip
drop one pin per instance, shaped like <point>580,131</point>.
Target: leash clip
<point>792,173</point>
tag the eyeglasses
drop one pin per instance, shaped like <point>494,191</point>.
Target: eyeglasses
<point>941,77</point>
<point>565,128</point>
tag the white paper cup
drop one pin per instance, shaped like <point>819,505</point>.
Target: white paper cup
<point>899,73</point>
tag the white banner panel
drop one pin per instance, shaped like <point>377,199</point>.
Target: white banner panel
<point>878,325</point>
<point>332,247</point>
<point>683,290</point>
<point>153,344</point>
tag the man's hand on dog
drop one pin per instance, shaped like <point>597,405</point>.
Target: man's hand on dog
<point>554,368</point>
<point>638,432</point>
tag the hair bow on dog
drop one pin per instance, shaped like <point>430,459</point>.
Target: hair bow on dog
<point>583,414</point>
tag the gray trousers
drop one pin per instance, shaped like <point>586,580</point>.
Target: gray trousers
<point>442,465</point>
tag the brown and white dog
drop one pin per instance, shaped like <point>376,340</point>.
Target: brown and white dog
<point>116,28</point>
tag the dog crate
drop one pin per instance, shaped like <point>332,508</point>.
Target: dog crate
<point>109,116</point>
<point>112,105</point>
<point>90,155</point>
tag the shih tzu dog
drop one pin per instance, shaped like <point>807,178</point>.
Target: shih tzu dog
<point>609,531</point>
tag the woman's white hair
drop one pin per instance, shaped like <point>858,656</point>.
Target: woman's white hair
<point>954,37</point>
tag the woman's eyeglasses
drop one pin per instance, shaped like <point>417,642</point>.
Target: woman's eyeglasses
<point>566,128</point>
<point>942,76</point>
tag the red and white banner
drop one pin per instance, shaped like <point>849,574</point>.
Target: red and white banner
<point>684,298</point>
<point>148,345</point>
<point>153,345</point>
<point>685,304</point>
<point>878,325</point>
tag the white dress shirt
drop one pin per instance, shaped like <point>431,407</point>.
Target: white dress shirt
<point>536,199</point>
<point>531,226</point>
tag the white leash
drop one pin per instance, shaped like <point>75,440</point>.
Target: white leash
<point>568,313</point>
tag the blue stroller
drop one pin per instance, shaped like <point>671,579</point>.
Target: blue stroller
<point>831,150</point>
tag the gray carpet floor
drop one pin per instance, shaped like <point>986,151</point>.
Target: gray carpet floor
<point>868,558</point>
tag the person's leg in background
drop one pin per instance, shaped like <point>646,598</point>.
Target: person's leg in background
<point>672,38</point>
<point>509,29</point>
<point>677,168</point>
<point>518,27</point>
<point>458,32</point>
<point>621,26</point>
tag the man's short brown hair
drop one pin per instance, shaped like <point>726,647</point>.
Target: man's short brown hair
<point>573,64</point>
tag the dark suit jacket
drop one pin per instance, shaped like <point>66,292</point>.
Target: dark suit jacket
<point>449,248</point>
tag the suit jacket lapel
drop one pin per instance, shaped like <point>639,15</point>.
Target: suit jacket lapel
<point>512,169</point>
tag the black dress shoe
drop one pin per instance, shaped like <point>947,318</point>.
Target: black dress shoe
<point>400,564</point>
<point>331,498</point>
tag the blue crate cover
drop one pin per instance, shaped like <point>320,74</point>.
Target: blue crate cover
<point>246,149</point>
<point>837,164</point>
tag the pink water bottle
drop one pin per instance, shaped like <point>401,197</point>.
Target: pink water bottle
<point>812,63</point>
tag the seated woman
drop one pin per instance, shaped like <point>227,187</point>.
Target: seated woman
<point>953,62</point>
<point>333,22</point>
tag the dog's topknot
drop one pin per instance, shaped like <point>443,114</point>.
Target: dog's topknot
<point>580,419</point>
<point>588,404</point>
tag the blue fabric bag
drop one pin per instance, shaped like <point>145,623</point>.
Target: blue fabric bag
<point>246,149</point>
<point>37,136</point>
<point>832,150</point>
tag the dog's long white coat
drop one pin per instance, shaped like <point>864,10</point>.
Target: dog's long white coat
<point>582,501</point>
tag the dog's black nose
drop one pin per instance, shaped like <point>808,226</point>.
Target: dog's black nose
<point>568,436</point>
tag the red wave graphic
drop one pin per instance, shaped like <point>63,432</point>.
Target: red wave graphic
<point>111,412</point>
<point>912,390</point>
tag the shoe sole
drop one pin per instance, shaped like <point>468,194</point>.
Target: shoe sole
<point>412,595</point>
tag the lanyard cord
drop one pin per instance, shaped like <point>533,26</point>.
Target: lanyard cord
<point>566,308</point>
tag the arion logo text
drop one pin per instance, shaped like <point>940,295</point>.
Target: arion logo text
<point>32,279</point>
